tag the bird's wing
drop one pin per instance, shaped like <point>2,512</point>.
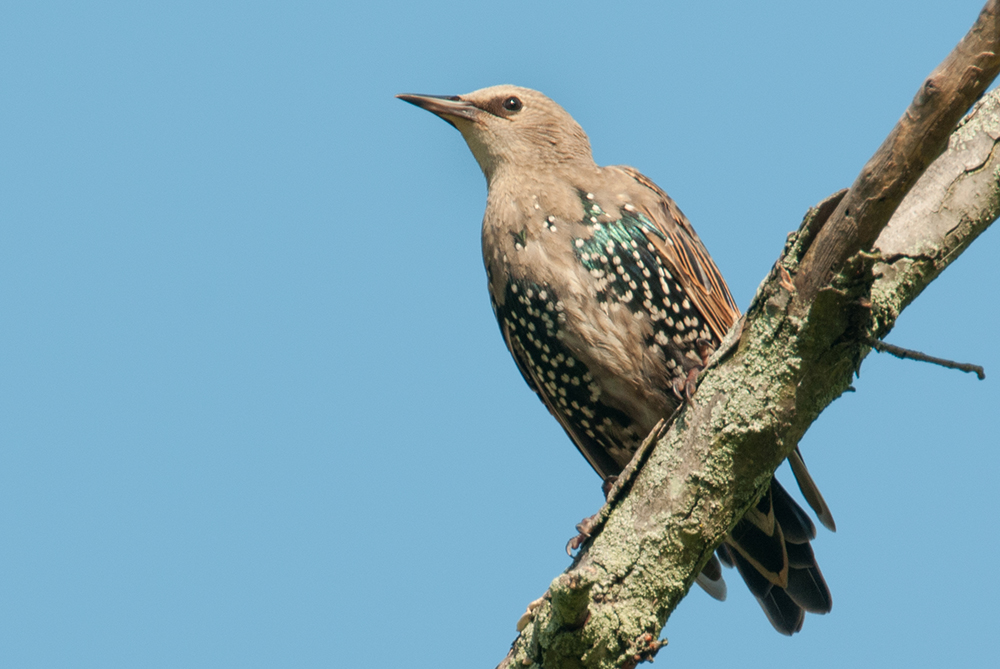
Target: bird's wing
<point>770,544</point>
<point>680,247</point>
<point>597,454</point>
<point>704,285</point>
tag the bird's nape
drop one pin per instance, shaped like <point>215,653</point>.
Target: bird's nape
<point>609,302</point>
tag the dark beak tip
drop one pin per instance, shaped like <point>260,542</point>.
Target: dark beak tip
<point>445,107</point>
<point>410,97</point>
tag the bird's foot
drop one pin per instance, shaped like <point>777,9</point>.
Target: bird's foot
<point>705,351</point>
<point>677,385</point>
<point>584,528</point>
<point>613,487</point>
<point>691,386</point>
<point>606,487</point>
<point>684,389</point>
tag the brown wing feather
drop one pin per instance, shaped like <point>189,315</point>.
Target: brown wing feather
<point>757,537</point>
<point>683,250</point>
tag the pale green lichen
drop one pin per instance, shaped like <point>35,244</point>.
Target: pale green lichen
<point>750,410</point>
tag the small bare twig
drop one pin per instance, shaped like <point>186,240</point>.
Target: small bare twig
<point>907,354</point>
<point>774,377</point>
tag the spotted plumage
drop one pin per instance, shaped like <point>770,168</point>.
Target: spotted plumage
<point>609,303</point>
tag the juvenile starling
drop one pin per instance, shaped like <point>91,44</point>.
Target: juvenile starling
<point>609,302</point>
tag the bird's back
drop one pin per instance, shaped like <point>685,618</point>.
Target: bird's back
<point>610,305</point>
<point>599,285</point>
<point>609,302</point>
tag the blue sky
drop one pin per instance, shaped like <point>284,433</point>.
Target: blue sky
<point>255,408</point>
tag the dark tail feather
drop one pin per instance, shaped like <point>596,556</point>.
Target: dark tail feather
<point>757,538</point>
<point>810,491</point>
<point>795,524</point>
<point>725,556</point>
<point>711,581</point>
<point>785,615</point>
<point>806,586</point>
<point>770,548</point>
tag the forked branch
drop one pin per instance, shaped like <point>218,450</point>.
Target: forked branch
<point>797,350</point>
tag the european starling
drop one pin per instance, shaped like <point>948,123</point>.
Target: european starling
<point>609,303</point>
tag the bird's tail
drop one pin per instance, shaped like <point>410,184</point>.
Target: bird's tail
<point>770,548</point>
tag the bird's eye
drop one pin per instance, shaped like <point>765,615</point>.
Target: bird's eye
<point>512,104</point>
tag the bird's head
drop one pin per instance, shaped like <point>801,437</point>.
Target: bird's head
<point>512,128</point>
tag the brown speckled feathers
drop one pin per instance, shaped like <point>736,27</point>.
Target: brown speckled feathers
<point>609,302</point>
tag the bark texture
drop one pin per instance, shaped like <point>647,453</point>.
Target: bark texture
<point>795,351</point>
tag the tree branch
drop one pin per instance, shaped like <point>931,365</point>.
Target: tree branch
<point>794,354</point>
<point>907,354</point>
<point>918,138</point>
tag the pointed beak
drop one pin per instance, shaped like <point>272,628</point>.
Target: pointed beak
<point>448,107</point>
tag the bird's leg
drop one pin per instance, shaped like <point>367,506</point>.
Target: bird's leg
<point>705,350</point>
<point>606,487</point>
<point>589,524</point>
<point>684,389</point>
<point>613,486</point>
<point>691,385</point>
<point>584,528</point>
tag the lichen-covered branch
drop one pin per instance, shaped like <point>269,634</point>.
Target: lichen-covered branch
<point>769,381</point>
<point>917,139</point>
<point>951,205</point>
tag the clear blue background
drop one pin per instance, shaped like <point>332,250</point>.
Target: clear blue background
<point>254,408</point>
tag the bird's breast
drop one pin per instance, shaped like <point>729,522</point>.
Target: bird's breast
<point>590,314</point>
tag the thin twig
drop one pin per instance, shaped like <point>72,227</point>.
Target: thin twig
<point>907,354</point>
<point>693,487</point>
